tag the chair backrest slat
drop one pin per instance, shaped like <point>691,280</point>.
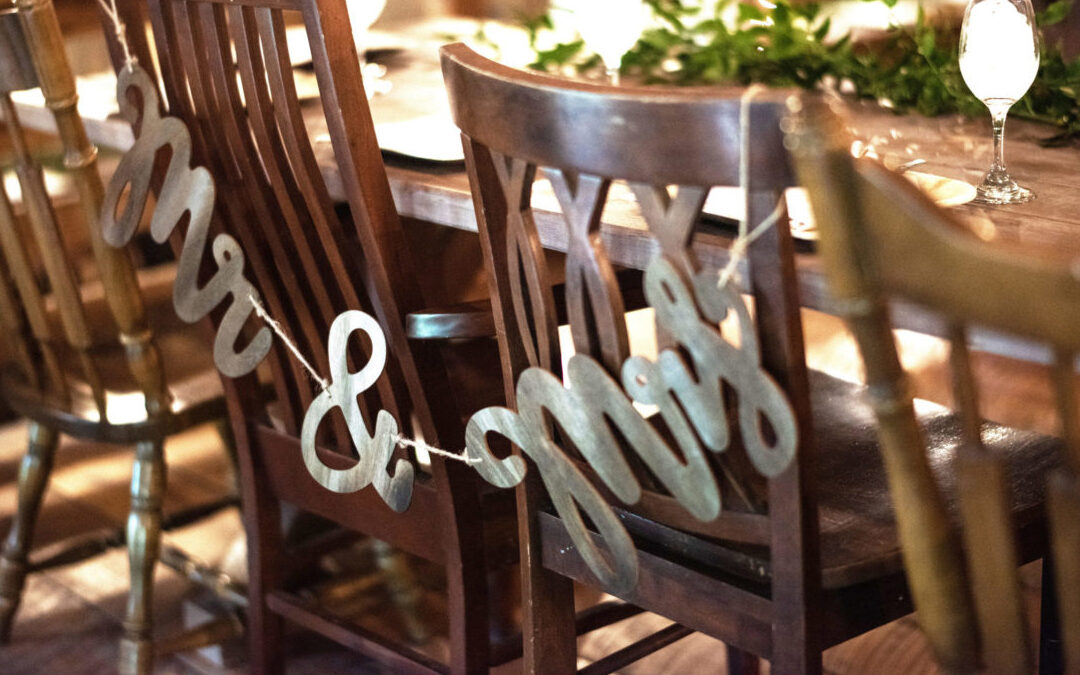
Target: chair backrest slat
<point>193,91</point>
<point>293,259</point>
<point>992,561</point>
<point>530,296</point>
<point>31,304</point>
<point>16,340</point>
<point>965,392</point>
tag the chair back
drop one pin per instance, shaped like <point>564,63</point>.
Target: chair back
<point>315,250</point>
<point>883,240</point>
<point>48,315</point>
<point>715,461</point>
<point>247,126</point>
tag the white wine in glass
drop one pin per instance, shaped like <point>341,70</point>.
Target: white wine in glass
<point>610,28</point>
<point>999,58</point>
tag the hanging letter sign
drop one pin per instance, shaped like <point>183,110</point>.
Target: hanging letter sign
<point>191,190</point>
<point>376,451</point>
<point>185,190</point>
<point>685,385</point>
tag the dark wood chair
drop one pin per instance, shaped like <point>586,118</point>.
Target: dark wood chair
<point>97,355</point>
<point>225,70</point>
<point>803,553</point>
<point>882,240</point>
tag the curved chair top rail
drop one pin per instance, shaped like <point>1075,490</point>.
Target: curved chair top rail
<point>561,125</point>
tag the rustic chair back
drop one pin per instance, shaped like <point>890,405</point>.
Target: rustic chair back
<point>226,71</point>
<point>881,239</point>
<point>82,356</point>
<point>35,58</point>
<point>671,146</point>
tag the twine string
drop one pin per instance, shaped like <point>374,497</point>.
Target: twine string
<point>747,235</point>
<point>260,311</point>
<point>324,384</point>
<point>109,7</point>
<point>463,456</point>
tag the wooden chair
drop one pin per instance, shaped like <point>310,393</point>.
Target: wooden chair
<point>883,240</point>
<point>85,357</point>
<point>226,73</point>
<point>803,553</point>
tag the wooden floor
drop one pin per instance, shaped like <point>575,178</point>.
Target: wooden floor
<point>70,618</point>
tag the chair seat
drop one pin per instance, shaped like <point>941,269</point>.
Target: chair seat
<point>858,531</point>
<point>859,539</point>
<point>194,384</point>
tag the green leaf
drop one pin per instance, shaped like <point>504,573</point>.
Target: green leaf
<point>559,54</point>
<point>1054,13</point>
<point>823,30</point>
<point>750,13</point>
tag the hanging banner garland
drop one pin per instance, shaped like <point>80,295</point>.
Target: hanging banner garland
<point>691,407</point>
<point>688,307</point>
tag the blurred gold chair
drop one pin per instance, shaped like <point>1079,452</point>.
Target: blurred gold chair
<point>963,537</point>
<point>82,355</point>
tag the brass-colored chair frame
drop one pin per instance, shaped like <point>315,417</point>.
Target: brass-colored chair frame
<point>36,382</point>
<point>883,240</point>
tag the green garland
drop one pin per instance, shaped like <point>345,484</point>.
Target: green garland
<point>914,68</point>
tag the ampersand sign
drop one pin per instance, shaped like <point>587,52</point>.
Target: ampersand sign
<point>376,451</point>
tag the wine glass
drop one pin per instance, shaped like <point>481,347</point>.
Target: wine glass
<point>363,13</point>
<point>610,28</point>
<point>999,57</point>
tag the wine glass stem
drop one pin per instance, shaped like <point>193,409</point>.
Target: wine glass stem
<point>998,113</point>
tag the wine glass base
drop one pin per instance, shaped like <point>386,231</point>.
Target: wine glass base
<point>1010,193</point>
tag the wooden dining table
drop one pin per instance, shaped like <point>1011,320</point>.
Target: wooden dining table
<point>438,191</point>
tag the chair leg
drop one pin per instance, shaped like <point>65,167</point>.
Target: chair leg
<point>144,546</point>
<point>33,477</point>
<point>549,639</point>
<point>263,525</point>
<point>1051,651</point>
<point>741,662</point>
